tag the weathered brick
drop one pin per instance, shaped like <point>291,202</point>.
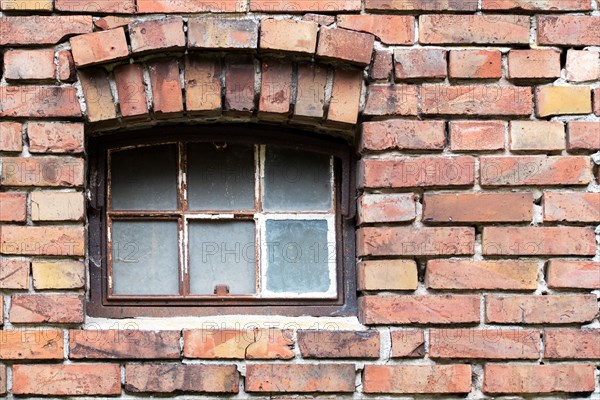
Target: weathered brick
<point>203,85</point>
<point>584,135</point>
<point>476,135</point>
<point>288,35</point>
<point>294,6</point>
<point>419,309</point>
<point>416,172</point>
<point>46,308</point>
<point>420,63</point>
<point>597,101</point>
<point>123,344</point>
<point>39,344</point>
<point>490,275</point>
<point>157,35</point>
<point>217,33</point>
<point>321,19</point>
<point>112,21</point>
<point>46,171</point>
<point>14,274</point>
<point>239,87</point>
<point>338,344</point>
<point>403,135</point>
<point>42,240</point>
<point>66,66</point>
<point>566,378</point>
<point>392,207</point>
<point>57,206</point>
<point>63,274</point>
<point>572,344</point>
<point>166,87</point>
<point>26,5</point>
<point>129,79</point>
<point>535,309</point>
<point>563,274</point>
<point>39,101</point>
<point>475,64</point>
<point>300,378</point>
<point>29,64</point>
<point>99,47</point>
<point>168,378</point>
<point>474,29</point>
<point>310,96</point>
<point>14,207</point>
<point>95,6</point>
<point>45,137</point>
<point>476,100</point>
<point>568,30</point>
<point>537,135</point>
<point>345,97</point>
<point>572,206</point>
<point>40,30</point>
<point>2,379</point>
<point>238,344</point>
<point>387,275</point>
<point>190,6</point>
<point>421,5</point>
<point>10,136</point>
<point>417,379</point>
<point>276,89</point>
<point>390,29</point>
<point>391,100</point>
<point>559,100</point>
<point>98,95</point>
<point>345,45</point>
<point>488,344</point>
<point>534,170</point>
<point>536,5</point>
<point>381,68</point>
<point>534,64</point>
<point>67,380</point>
<point>408,343</point>
<point>582,65</point>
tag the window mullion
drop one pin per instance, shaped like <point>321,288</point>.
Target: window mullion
<point>184,283</point>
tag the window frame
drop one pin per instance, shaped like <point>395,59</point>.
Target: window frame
<point>100,305</point>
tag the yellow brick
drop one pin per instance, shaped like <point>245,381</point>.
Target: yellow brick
<point>66,274</point>
<point>537,135</point>
<point>561,100</point>
<point>27,5</point>
<point>56,206</point>
<point>387,275</point>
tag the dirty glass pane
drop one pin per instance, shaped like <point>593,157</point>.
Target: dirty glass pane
<point>144,178</point>
<point>296,180</point>
<point>145,257</point>
<point>222,253</point>
<point>297,256</point>
<point>220,177</point>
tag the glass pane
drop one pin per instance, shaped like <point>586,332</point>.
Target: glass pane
<point>145,257</point>
<point>220,177</point>
<point>297,256</point>
<point>296,180</point>
<point>222,253</point>
<point>144,178</point>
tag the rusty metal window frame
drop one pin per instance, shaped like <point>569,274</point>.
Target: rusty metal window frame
<point>339,301</point>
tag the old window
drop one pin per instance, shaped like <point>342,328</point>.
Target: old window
<point>212,221</point>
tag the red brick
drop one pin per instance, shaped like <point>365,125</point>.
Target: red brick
<point>157,35</point>
<point>42,240</point>
<point>562,100</point>
<point>202,85</point>
<point>40,30</point>
<point>582,65</point>
<point>535,309</point>
<point>536,5</point>
<point>338,344</point>
<point>538,241</point>
<point>477,135</point>
<point>29,64</point>
<point>39,101</point>
<point>381,68</point>
<point>475,64</point>
<point>169,378</point>
<point>99,47</point>
<point>166,87</point>
<point>39,344</point>
<point>276,88</point>
<point>345,97</point>
<point>584,135</point>
<point>14,207</point>
<point>476,100</point>
<point>572,206</point>
<point>46,171</point>
<point>387,275</point>
<point>564,274</point>
<point>238,344</point>
<point>572,344</point>
<point>568,30</point>
<point>487,275</point>
<point>408,343</point>
<point>190,6</point>
<point>14,274</point>
<point>129,79</point>
<point>391,100</point>
<point>419,309</point>
<point>534,64</point>
<point>10,136</point>
<point>345,45</point>
<point>392,207</point>
<point>288,35</point>
<point>534,170</point>
<point>123,344</point>
<point>320,19</point>
<point>420,63</point>
<point>536,136</point>
<point>390,29</point>
<point>474,29</point>
<point>417,172</point>
<point>421,5</point>
<point>295,6</point>
<point>597,101</point>
<point>46,308</point>
<point>45,137</point>
<point>296,378</point>
<point>111,22</point>
<point>98,95</point>
<point>95,6</point>
<point>67,380</point>
<point>66,66</point>
<point>310,96</point>
<point>403,135</point>
<point>239,87</point>
<point>417,379</point>
<point>567,378</point>
<point>218,33</point>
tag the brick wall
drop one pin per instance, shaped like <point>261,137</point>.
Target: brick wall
<point>478,125</point>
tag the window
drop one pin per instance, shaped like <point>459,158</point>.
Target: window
<point>201,221</point>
